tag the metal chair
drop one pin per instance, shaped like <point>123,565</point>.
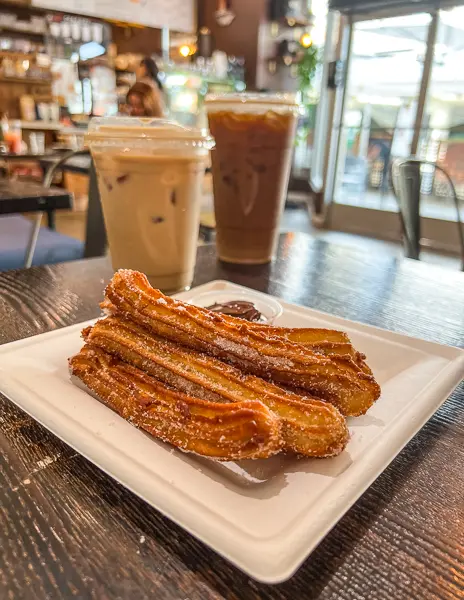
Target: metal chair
<point>407,176</point>
<point>95,242</point>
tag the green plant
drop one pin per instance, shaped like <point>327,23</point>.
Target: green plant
<point>309,59</point>
<point>307,64</point>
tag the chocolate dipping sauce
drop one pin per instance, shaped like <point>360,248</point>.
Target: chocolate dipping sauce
<point>237,308</point>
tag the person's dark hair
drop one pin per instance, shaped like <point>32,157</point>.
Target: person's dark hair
<point>149,98</point>
<point>152,70</point>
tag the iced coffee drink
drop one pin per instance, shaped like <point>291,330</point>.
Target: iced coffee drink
<point>254,135</point>
<point>150,174</point>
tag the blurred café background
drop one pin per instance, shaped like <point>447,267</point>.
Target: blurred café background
<point>376,81</point>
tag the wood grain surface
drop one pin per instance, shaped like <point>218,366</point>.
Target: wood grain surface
<point>69,531</point>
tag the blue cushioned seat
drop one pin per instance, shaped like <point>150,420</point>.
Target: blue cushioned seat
<point>52,247</point>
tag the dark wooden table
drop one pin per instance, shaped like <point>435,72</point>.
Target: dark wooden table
<point>69,531</point>
<point>25,196</point>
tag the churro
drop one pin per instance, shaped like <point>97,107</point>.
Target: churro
<point>224,431</point>
<point>310,427</point>
<point>337,379</point>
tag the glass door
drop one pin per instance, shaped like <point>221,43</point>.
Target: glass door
<point>442,134</point>
<point>381,101</point>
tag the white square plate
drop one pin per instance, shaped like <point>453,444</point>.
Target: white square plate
<point>264,516</point>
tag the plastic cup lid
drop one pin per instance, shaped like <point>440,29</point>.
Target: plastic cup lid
<point>102,128</point>
<point>284,99</point>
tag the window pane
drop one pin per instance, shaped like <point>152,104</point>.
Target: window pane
<point>383,86</point>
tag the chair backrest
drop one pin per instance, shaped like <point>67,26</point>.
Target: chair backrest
<point>407,179</point>
<point>95,233</point>
<point>57,165</point>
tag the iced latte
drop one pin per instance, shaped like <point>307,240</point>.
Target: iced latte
<point>150,174</point>
<point>254,136</point>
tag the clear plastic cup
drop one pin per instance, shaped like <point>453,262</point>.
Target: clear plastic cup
<point>150,175</point>
<point>254,135</point>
